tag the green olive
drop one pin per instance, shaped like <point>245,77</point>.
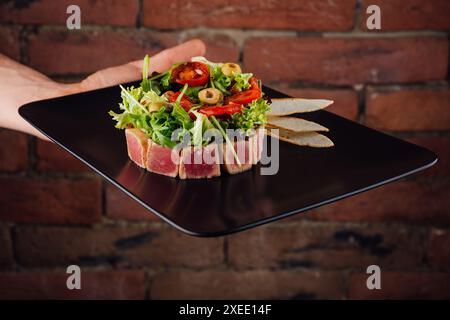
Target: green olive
<point>151,106</point>
<point>210,96</point>
<point>230,69</point>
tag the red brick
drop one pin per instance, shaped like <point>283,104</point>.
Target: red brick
<point>51,157</point>
<point>345,101</point>
<point>124,284</point>
<point>119,246</point>
<point>121,206</point>
<point>322,246</point>
<point>6,255</point>
<point>115,12</point>
<point>441,147</point>
<point>410,14</point>
<point>13,151</point>
<point>402,285</point>
<point>439,249</point>
<point>252,14</point>
<point>64,52</point>
<point>10,42</point>
<point>219,47</point>
<point>348,60</point>
<point>59,201</point>
<point>248,285</point>
<point>406,201</point>
<point>405,109</point>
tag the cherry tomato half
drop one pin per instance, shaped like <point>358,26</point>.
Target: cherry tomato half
<point>192,73</point>
<point>244,97</point>
<point>221,110</point>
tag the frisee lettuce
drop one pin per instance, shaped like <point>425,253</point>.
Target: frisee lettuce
<point>222,82</point>
<point>252,115</point>
<point>242,81</point>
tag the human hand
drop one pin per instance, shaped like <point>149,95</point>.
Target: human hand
<point>21,84</point>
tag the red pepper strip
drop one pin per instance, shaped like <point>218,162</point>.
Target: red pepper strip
<point>254,84</point>
<point>185,102</point>
<point>221,110</point>
<point>244,97</point>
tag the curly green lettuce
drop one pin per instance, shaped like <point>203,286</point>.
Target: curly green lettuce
<point>252,115</point>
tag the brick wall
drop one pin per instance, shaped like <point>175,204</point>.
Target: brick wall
<point>54,212</point>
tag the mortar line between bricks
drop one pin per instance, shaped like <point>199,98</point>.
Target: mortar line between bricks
<point>32,156</point>
<point>346,282</point>
<point>155,271</point>
<point>241,55</point>
<point>345,224</point>
<point>248,33</point>
<point>55,175</point>
<point>362,104</point>
<point>105,223</point>
<point>419,133</point>
<point>426,245</point>
<point>15,255</point>
<point>139,13</point>
<point>305,223</point>
<point>23,36</point>
<point>103,198</point>
<point>148,283</point>
<point>438,84</point>
<point>225,252</point>
<point>62,268</point>
<point>357,16</point>
<point>448,61</point>
<point>22,45</point>
<point>435,84</point>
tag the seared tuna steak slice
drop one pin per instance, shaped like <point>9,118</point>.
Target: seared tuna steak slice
<point>162,160</point>
<point>200,162</point>
<point>136,146</point>
<point>244,152</point>
<point>260,134</point>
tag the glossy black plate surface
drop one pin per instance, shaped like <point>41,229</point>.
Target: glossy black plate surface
<point>307,178</point>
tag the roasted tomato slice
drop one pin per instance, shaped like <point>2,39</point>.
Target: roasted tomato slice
<point>192,73</point>
<point>229,109</point>
<point>254,84</point>
<point>244,97</point>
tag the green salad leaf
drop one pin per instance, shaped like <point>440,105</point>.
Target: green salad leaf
<point>145,84</point>
<point>252,115</point>
<point>165,79</point>
<point>242,81</point>
<point>222,82</point>
<point>219,80</point>
<point>192,93</point>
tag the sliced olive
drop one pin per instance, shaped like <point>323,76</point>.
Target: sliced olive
<point>230,69</point>
<point>210,96</point>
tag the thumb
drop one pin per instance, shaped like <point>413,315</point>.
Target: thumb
<point>133,70</point>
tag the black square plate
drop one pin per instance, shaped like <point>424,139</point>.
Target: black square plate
<point>307,178</point>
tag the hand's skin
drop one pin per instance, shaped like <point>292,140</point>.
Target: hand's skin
<point>20,84</point>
